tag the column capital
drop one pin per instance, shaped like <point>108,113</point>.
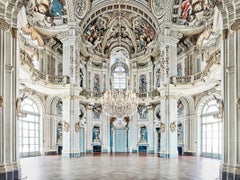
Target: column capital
<point>170,37</point>
<point>4,25</point>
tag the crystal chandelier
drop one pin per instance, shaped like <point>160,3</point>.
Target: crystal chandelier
<point>119,103</point>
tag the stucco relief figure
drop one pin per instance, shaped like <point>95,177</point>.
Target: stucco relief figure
<point>143,110</point>
<point>33,33</point>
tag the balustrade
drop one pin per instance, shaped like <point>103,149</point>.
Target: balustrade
<point>38,75</point>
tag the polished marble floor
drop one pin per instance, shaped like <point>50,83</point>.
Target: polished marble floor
<point>119,167</point>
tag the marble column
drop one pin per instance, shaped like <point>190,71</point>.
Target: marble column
<point>230,168</point>
<point>71,138</point>
<point>168,66</point>
<point>168,127</point>
<point>9,161</point>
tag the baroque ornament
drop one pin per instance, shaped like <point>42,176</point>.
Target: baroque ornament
<point>157,7</point>
<point>81,8</point>
<point>77,127</point>
<point>172,126</point>
<point>3,25</point>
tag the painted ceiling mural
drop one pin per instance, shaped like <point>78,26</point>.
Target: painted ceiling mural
<point>123,29</point>
<point>122,26</point>
<point>192,13</point>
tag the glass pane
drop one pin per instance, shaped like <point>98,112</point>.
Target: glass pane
<point>28,107</point>
<point>25,141</point>
<point>25,133</point>
<point>32,148</point>
<point>25,148</point>
<point>25,125</point>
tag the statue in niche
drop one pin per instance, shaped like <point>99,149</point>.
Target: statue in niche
<point>143,110</point>
<point>143,135</point>
<point>180,133</point>
<point>179,69</point>
<point>180,107</point>
<point>96,132</point>
<point>81,77</point>
<point>59,133</point>
<point>142,84</point>
<point>96,86</point>
<point>59,107</point>
<point>97,110</point>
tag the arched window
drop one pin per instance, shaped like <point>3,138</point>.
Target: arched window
<point>119,77</point>
<point>119,67</point>
<point>29,130</point>
<point>211,128</point>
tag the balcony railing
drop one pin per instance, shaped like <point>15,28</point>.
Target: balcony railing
<point>94,94</point>
<point>191,79</point>
<point>38,75</point>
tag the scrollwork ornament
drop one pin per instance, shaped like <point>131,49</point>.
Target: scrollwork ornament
<point>4,25</point>
<point>162,127</point>
<point>172,126</point>
<point>66,127</point>
<point>81,8</point>
<point>77,127</point>
<point>157,7</point>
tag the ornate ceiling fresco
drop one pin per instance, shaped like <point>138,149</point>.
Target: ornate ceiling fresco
<point>103,25</point>
<point>117,28</point>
